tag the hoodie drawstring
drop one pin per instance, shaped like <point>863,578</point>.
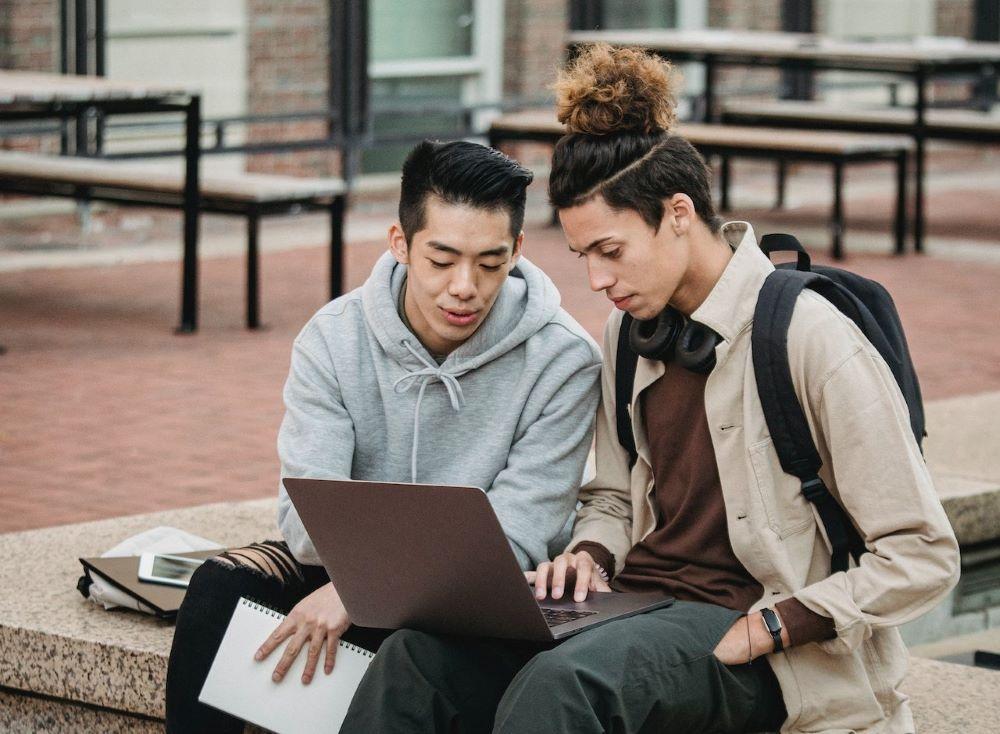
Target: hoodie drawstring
<point>429,372</point>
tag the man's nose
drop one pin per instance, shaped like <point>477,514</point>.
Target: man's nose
<point>599,279</point>
<point>463,284</point>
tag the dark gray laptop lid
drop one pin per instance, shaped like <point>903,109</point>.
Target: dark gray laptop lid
<point>418,556</point>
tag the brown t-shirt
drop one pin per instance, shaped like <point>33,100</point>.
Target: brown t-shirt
<point>688,554</point>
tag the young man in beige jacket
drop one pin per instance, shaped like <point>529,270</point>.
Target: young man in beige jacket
<point>706,512</point>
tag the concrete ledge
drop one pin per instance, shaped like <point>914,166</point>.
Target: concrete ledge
<point>948,698</point>
<point>972,505</point>
<point>54,642</point>
<point>961,451</point>
<point>66,664</point>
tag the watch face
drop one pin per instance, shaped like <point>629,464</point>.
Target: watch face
<point>771,621</point>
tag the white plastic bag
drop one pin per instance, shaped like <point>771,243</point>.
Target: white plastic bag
<point>163,539</point>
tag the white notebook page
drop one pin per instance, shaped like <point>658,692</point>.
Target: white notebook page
<point>239,685</point>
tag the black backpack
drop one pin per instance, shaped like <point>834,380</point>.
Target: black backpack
<point>869,306</point>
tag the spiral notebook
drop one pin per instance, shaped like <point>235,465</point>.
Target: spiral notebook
<point>239,685</point>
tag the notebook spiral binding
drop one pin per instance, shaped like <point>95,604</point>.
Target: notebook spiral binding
<point>360,650</point>
<point>260,607</point>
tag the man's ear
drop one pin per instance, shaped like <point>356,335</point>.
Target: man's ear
<point>516,253</point>
<point>397,244</point>
<point>680,213</point>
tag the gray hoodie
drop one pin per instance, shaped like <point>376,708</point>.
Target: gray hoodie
<point>510,411</point>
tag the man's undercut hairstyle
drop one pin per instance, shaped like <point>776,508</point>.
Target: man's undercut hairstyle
<point>618,106</point>
<point>461,173</point>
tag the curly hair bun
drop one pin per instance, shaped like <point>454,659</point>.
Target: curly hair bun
<point>608,90</point>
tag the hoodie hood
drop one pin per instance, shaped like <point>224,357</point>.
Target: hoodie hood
<point>528,300</point>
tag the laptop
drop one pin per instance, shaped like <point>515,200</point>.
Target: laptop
<point>435,558</point>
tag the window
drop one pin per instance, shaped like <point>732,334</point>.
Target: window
<point>429,62</point>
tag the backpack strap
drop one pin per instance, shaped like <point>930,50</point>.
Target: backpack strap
<point>783,413</point>
<point>626,361</point>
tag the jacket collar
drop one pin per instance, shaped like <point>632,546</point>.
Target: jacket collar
<point>727,310</point>
<point>730,304</point>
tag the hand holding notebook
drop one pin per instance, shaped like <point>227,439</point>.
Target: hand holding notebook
<point>311,629</point>
<point>241,686</point>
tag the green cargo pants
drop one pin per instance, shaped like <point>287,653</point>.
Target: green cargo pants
<point>651,673</point>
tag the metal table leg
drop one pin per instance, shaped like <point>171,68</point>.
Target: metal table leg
<point>192,202</point>
<point>782,180</point>
<point>919,136</point>
<point>337,207</point>
<point>709,88</point>
<point>901,202</point>
<point>253,269</point>
<point>837,223</point>
<point>725,176</point>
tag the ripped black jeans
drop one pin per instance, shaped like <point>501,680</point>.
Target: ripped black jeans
<point>266,572</point>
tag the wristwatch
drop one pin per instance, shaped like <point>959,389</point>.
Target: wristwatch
<point>773,625</point>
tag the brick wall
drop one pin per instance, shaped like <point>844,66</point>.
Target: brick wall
<point>753,15</point>
<point>534,42</point>
<point>534,49</point>
<point>29,34</point>
<point>954,18</point>
<point>287,56</point>
<point>29,40</point>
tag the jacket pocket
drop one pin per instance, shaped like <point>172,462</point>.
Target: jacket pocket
<point>786,509</point>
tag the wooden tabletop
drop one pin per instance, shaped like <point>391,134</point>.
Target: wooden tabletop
<point>256,187</point>
<point>33,88</point>
<point>776,45</point>
<point>969,120</point>
<point>721,136</point>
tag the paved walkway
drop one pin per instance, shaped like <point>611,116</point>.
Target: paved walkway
<point>106,412</point>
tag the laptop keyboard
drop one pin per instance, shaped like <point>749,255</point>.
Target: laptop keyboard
<point>555,617</point>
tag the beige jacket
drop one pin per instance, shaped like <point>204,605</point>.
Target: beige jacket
<point>871,463</point>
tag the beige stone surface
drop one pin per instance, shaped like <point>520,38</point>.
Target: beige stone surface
<point>54,642</point>
<point>28,715</point>
<point>963,436</point>
<point>953,699</point>
<point>963,452</point>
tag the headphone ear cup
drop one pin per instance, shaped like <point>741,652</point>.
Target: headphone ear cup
<point>695,348</point>
<point>655,338</point>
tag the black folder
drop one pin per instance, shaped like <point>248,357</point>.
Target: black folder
<point>123,573</point>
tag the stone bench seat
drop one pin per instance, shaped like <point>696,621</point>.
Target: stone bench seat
<point>744,141</point>
<point>252,195</point>
<point>67,664</point>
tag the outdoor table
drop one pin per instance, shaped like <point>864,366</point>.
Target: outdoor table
<point>919,61</point>
<point>38,96</point>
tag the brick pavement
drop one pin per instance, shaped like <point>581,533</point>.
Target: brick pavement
<point>106,412</point>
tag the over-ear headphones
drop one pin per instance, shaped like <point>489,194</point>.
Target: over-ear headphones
<point>673,337</point>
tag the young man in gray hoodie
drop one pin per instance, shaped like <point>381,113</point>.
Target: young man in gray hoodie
<point>452,364</point>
